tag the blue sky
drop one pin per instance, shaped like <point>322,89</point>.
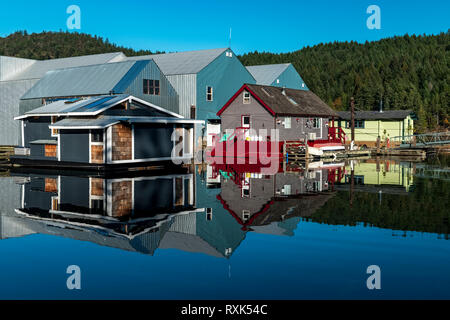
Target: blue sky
<point>275,25</point>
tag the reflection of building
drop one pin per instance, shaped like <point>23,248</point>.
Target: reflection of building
<point>374,175</point>
<point>127,213</point>
<point>268,203</point>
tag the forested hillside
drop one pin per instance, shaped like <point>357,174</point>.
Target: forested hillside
<point>407,72</point>
<point>51,45</point>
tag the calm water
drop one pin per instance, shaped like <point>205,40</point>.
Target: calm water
<point>229,233</point>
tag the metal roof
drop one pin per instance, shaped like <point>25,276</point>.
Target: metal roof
<point>77,123</point>
<point>377,115</point>
<point>93,106</point>
<point>267,74</point>
<point>107,121</point>
<point>187,62</point>
<point>89,105</point>
<point>44,142</point>
<point>40,67</point>
<point>86,80</point>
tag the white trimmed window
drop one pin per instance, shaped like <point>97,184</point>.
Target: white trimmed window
<point>209,93</point>
<point>246,121</point>
<point>246,97</point>
<point>317,123</point>
<point>287,123</point>
<point>54,131</point>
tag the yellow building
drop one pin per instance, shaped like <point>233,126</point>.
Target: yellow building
<point>369,125</point>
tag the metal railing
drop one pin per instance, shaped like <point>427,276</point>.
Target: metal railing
<point>422,140</point>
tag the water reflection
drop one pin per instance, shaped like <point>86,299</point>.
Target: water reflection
<point>211,211</point>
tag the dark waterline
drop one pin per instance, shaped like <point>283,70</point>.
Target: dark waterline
<point>227,233</point>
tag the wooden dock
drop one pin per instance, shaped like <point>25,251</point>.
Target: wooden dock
<point>5,153</point>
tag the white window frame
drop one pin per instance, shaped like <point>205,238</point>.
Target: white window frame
<point>91,143</point>
<point>319,121</point>
<point>246,98</point>
<point>249,121</point>
<point>54,132</point>
<point>287,123</point>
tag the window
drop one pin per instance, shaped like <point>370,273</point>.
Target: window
<point>209,214</point>
<point>97,204</point>
<point>246,97</point>
<point>246,121</point>
<point>54,131</point>
<point>151,87</point>
<point>287,123</point>
<point>245,191</point>
<point>359,124</point>
<point>245,215</point>
<point>317,123</point>
<point>96,136</point>
<point>209,93</point>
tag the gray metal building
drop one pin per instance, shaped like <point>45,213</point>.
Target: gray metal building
<point>18,75</point>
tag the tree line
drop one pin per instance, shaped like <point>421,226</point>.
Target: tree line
<point>405,72</point>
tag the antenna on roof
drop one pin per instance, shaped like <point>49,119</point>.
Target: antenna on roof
<point>229,40</point>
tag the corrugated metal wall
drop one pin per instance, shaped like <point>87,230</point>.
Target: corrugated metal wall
<point>10,66</point>
<point>226,75</point>
<point>185,223</point>
<point>186,87</point>
<point>167,98</point>
<point>10,93</point>
<point>290,78</point>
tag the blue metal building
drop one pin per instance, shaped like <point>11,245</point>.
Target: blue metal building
<point>278,75</point>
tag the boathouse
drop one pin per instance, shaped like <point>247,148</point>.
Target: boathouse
<point>104,131</point>
<point>298,115</point>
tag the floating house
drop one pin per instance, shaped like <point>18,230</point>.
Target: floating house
<point>104,132</point>
<point>278,75</point>
<point>369,125</point>
<point>298,115</point>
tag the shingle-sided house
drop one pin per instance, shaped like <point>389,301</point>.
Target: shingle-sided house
<point>369,125</point>
<point>278,75</point>
<point>104,132</point>
<point>296,114</point>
